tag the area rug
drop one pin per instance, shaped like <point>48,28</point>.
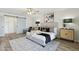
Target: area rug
<point>23,44</point>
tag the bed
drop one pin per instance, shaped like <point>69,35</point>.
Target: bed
<point>40,39</point>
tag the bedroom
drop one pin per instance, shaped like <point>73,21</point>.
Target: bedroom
<point>28,29</point>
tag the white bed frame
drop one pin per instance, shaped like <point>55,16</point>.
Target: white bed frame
<point>39,38</point>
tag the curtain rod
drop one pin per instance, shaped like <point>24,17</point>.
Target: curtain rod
<point>15,16</point>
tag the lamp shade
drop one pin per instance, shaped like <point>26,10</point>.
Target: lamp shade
<point>37,22</point>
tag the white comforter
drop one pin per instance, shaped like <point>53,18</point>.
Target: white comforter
<point>39,38</point>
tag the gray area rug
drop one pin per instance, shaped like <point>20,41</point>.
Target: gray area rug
<point>23,44</point>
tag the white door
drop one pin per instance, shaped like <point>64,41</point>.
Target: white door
<point>1,26</point>
<point>10,24</point>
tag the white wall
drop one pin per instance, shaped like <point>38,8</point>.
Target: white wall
<point>76,23</point>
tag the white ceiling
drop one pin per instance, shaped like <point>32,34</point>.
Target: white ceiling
<point>15,11</point>
<point>22,11</point>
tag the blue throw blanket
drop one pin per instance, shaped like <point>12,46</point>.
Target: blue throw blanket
<point>47,36</point>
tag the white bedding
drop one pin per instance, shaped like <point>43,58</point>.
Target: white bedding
<point>39,38</point>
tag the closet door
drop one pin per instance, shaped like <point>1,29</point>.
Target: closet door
<point>10,24</point>
<point>21,24</point>
<point>1,26</point>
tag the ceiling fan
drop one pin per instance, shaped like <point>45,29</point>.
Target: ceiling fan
<point>31,11</point>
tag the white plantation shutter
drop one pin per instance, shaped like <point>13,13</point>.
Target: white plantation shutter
<point>10,24</point>
<point>21,24</point>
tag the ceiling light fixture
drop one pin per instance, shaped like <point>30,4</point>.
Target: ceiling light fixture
<point>30,11</point>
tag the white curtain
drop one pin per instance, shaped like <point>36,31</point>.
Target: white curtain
<point>21,24</point>
<point>14,24</point>
<point>10,24</point>
<point>1,26</point>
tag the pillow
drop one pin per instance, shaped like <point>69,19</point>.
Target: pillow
<point>30,28</point>
<point>35,31</point>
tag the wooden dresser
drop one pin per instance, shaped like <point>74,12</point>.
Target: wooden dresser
<point>67,34</point>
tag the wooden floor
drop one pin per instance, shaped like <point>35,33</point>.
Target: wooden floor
<point>67,46</point>
<point>63,46</point>
<point>4,41</point>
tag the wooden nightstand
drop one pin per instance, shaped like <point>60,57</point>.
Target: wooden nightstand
<point>67,34</point>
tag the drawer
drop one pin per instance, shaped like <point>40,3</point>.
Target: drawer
<point>68,36</point>
<point>62,33</point>
<point>69,31</point>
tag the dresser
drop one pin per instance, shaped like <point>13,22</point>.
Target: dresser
<point>67,34</point>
